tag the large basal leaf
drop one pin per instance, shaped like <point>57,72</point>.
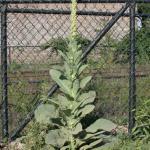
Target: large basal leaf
<point>91,145</point>
<point>92,135</point>
<point>79,142</point>
<point>65,147</point>
<point>108,145</point>
<point>84,81</point>
<point>101,124</point>
<point>59,122</point>
<point>106,138</point>
<point>47,147</point>
<point>45,112</point>
<point>57,138</point>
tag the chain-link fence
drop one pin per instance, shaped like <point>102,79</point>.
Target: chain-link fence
<point>36,30</point>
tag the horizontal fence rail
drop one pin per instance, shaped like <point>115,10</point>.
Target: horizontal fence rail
<point>63,12</point>
<point>68,1</point>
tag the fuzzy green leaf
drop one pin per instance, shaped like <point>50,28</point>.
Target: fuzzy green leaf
<point>53,101</point>
<point>91,145</point>
<point>77,57</point>
<point>58,121</point>
<point>65,86</point>
<point>85,110</point>
<point>67,69</point>
<point>76,86</point>
<point>87,98</point>
<point>108,145</point>
<point>47,147</point>
<point>93,135</point>
<point>65,147</point>
<point>45,112</point>
<point>82,68</point>
<point>57,67</point>
<point>56,138</point>
<point>77,129</point>
<point>84,81</point>
<point>55,74</point>
<point>101,124</point>
<point>63,102</point>
<point>63,55</point>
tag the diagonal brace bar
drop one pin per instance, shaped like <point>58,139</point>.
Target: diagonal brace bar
<point>54,88</point>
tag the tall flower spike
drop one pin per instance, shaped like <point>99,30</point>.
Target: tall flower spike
<point>73,19</point>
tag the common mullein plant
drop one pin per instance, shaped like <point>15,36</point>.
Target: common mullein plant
<point>65,111</point>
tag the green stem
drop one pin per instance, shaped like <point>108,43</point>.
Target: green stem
<point>70,126</point>
<point>72,143</point>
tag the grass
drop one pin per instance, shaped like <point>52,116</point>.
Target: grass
<point>112,96</point>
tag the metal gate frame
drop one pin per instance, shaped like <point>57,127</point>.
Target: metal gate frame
<point>132,79</point>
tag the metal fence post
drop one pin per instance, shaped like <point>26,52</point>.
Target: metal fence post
<point>5,132</point>
<point>132,78</point>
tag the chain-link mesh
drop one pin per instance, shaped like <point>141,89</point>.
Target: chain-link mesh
<point>36,31</point>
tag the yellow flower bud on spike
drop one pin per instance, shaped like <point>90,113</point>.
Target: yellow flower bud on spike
<point>73,19</point>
